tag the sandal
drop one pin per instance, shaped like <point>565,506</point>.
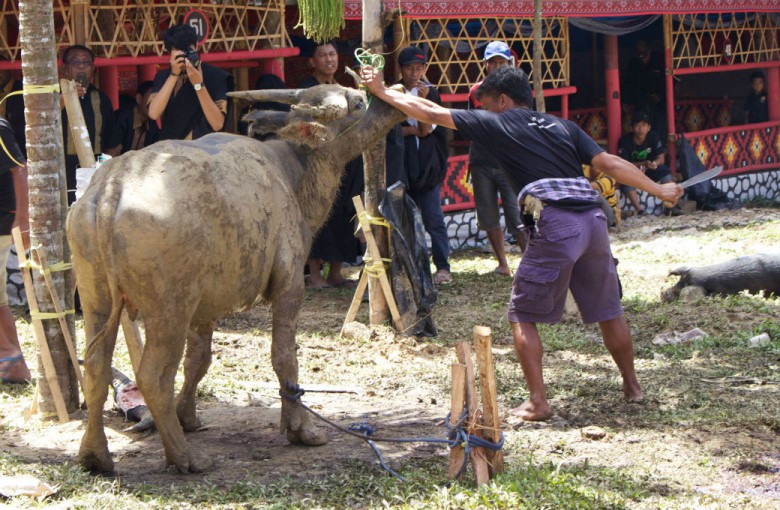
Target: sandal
<point>7,364</point>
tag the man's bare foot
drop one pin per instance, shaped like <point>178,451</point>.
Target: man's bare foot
<point>503,270</point>
<point>632,392</point>
<point>529,411</point>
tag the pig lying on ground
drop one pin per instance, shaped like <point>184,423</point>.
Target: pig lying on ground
<point>754,273</point>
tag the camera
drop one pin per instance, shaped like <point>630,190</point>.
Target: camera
<point>192,56</point>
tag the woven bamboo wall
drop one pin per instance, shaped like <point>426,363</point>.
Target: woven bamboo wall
<point>456,46</point>
<point>700,40</point>
<point>119,28</point>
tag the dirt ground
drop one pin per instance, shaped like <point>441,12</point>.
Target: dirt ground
<point>400,385</point>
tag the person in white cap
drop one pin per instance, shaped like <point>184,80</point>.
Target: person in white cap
<point>487,178</point>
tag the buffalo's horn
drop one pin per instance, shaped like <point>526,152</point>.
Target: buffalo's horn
<point>290,96</point>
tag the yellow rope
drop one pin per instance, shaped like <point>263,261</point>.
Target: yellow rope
<point>58,266</point>
<point>51,315</point>
<point>27,89</point>
<point>367,219</point>
<point>375,268</point>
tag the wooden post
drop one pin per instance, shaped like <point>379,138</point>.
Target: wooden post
<point>612,83</point>
<point>669,77</point>
<point>77,125</point>
<point>538,54</point>
<point>487,379</point>
<point>457,453</point>
<point>79,20</point>
<point>474,422</point>
<point>374,165</point>
<point>49,372</point>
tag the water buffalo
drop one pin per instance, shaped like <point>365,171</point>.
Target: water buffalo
<point>184,232</point>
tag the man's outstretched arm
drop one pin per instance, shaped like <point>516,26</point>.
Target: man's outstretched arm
<point>415,107</point>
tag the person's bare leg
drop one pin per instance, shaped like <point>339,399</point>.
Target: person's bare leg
<point>528,347</point>
<point>617,339</point>
<point>9,346</point>
<point>496,238</point>
<point>316,281</point>
<point>334,273</point>
<point>633,197</point>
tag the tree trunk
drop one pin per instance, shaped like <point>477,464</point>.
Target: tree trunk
<point>538,54</point>
<point>48,198</point>
<point>374,167</point>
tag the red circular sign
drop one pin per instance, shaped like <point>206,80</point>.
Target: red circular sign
<point>198,20</point>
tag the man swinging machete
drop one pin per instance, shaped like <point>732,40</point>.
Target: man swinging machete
<point>568,245</point>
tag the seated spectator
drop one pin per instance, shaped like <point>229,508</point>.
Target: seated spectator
<point>756,108</point>
<point>138,130</point>
<point>644,149</point>
<point>191,96</point>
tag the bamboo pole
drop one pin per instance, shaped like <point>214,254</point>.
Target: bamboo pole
<point>374,166</point>
<point>487,379</point>
<point>457,453</point>
<point>49,372</point>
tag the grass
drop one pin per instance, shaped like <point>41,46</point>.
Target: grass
<point>708,435</point>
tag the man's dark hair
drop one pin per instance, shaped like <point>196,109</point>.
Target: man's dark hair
<point>180,37</point>
<point>757,74</point>
<point>510,81</point>
<point>76,47</point>
<point>144,87</point>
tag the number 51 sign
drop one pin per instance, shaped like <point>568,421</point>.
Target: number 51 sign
<point>198,20</point>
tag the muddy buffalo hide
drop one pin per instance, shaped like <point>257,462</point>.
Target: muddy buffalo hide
<point>754,273</point>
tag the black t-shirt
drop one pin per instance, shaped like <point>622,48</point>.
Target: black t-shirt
<point>638,153</point>
<point>756,108</point>
<point>528,145</point>
<point>183,114</point>
<point>7,197</point>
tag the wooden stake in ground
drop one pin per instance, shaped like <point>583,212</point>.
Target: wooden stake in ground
<point>474,421</point>
<point>50,373</point>
<point>457,453</point>
<point>487,378</point>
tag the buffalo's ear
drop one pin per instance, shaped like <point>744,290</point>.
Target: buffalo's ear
<point>262,122</point>
<point>312,134</point>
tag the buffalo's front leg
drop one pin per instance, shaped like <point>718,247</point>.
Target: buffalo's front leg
<point>162,354</point>
<point>196,362</point>
<point>295,422</point>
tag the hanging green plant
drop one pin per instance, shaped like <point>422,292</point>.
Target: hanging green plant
<point>321,20</point>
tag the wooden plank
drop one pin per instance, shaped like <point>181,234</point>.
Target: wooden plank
<point>49,372</point>
<point>457,453</point>
<point>356,299</point>
<point>474,421</point>
<point>373,250</point>
<point>487,379</point>
<point>74,359</point>
<point>76,124</point>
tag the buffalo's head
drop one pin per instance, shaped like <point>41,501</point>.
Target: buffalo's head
<point>317,115</point>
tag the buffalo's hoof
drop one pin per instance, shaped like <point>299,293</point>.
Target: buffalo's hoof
<point>97,462</point>
<point>309,436</point>
<point>195,463</point>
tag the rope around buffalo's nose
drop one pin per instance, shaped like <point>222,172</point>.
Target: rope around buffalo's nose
<point>456,435</point>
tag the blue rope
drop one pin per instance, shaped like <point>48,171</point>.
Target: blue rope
<point>456,435</point>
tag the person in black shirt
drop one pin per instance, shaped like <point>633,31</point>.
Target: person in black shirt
<point>79,66</point>
<point>190,99</point>
<point>13,213</point>
<point>569,246</point>
<point>644,149</point>
<point>756,108</point>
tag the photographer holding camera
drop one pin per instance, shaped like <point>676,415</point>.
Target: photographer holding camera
<point>191,96</point>
<point>79,65</point>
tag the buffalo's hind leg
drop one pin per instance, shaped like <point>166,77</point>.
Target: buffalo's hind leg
<point>162,353</point>
<point>295,422</point>
<point>101,339</point>
<point>196,362</point>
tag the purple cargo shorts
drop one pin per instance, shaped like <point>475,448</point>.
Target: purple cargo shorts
<point>570,251</point>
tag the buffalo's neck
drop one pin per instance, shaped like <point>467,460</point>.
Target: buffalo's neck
<point>325,165</point>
